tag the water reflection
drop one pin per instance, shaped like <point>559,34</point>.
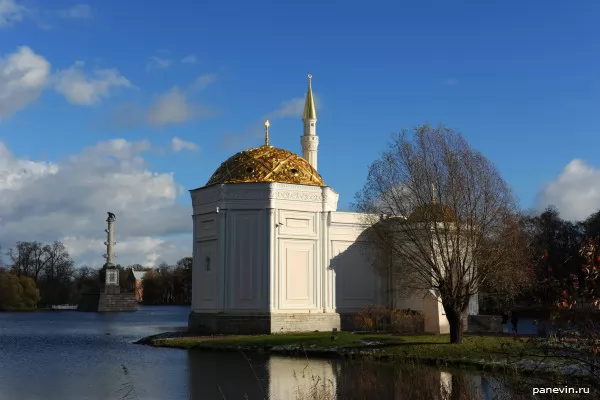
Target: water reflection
<point>237,376</point>
<point>69,355</point>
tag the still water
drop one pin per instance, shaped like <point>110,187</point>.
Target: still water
<point>69,355</point>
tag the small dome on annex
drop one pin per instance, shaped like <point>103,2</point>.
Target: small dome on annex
<point>432,213</point>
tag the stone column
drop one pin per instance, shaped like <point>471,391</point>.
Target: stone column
<point>111,281</point>
<point>110,240</point>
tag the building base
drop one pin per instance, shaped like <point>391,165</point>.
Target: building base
<point>106,302</point>
<point>250,324</point>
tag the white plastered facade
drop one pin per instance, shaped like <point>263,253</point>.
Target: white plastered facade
<point>276,257</point>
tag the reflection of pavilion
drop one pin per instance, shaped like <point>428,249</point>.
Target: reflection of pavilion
<point>229,375</point>
<point>237,376</point>
<point>289,377</point>
<point>476,386</point>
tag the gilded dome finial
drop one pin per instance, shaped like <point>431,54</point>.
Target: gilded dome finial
<point>267,124</point>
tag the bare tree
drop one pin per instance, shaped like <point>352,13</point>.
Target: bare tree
<point>28,259</point>
<point>447,217</point>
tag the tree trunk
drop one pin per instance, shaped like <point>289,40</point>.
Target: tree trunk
<point>456,325</point>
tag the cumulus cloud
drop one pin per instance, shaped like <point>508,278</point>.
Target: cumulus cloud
<point>202,82</point>
<point>78,11</point>
<point>178,145</point>
<point>10,12</point>
<point>176,106</point>
<point>189,59</point>
<point>293,108</point>
<point>81,89</point>
<point>158,63</point>
<point>23,77</point>
<point>575,192</point>
<point>68,201</point>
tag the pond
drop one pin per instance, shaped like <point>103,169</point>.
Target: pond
<point>70,355</point>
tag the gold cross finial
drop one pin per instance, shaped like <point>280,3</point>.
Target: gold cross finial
<point>433,193</point>
<point>267,124</point>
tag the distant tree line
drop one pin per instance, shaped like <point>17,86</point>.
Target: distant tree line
<point>34,274</point>
<point>553,262</point>
<point>169,284</point>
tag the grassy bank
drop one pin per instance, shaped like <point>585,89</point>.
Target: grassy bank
<point>488,352</point>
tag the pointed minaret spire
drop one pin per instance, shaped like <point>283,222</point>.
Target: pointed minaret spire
<point>310,140</point>
<point>309,105</point>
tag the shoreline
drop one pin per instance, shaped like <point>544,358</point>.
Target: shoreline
<point>488,354</point>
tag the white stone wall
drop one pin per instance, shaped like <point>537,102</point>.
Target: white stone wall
<point>266,242</point>
<point>282,250</point>
<point>205,267</point>
<point>357,284</point>
<point>246,260</point>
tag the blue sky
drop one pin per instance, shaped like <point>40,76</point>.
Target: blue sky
<point>521,80</point>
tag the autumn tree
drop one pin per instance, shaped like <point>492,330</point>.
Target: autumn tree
<point>555,250</point>
<point>17,292</point>
<point>447,216</point>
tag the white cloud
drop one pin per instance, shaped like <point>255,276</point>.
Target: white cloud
<point>202,82</point>
<point>173,108</point>
<point>23,77</point>
<point>292,108</point>
<point>68,201</point>
<point>289,108</point>
<point>78,11</point>
<point>178,145</point>
<point>189,59</point>
<point>575,192</point>
<point>87,90</point>
<point>10,12</point>
<point>158,63</point>
<point>170,108</point>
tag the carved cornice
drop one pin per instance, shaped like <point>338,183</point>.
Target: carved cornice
<point>292,195</point>
<point>268,191</point>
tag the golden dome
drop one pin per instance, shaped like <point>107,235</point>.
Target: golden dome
<point>432,213</point>
<point>266,164</point>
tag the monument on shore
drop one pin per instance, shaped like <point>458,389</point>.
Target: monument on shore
<point>110,298</point>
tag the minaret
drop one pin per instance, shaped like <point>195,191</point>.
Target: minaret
<point>310,140</point>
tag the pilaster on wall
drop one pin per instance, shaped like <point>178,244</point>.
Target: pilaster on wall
<point>271,254</point>
<point>328,302</point>
<point>222,249</point>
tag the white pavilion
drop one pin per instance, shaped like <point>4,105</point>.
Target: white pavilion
<point>272,254</point>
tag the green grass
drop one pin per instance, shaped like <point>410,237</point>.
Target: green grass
<point>422,347</point>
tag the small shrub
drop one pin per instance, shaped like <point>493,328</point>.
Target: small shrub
<point>382,319</point>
